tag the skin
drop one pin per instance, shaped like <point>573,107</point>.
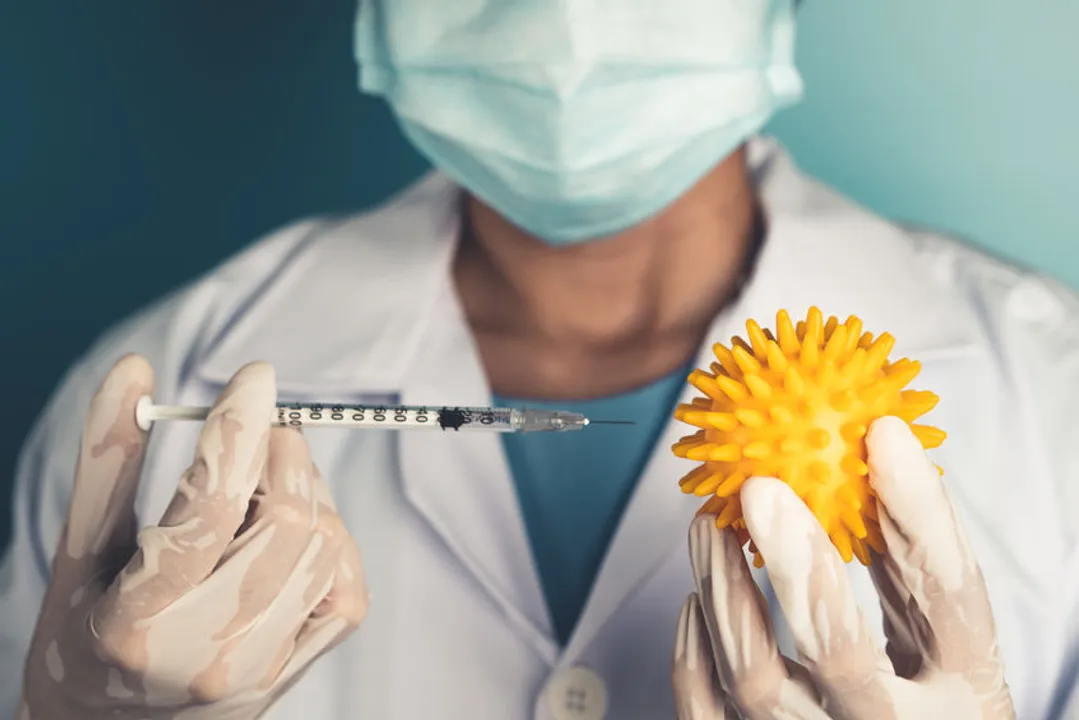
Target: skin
<point>218,609</point>
<point>941,658</point>
<point>608,315</point>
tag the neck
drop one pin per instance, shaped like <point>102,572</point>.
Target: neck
<point>610,314</point>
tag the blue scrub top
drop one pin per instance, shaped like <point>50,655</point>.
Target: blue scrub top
<point>573,487</point>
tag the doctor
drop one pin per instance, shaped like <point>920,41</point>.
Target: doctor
<point>601,215</point>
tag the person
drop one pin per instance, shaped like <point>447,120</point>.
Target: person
<point>603,209</point>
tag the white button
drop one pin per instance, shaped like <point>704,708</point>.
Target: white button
<point>577,693</point>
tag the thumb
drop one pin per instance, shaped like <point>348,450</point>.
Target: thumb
<point>99,536</point>
<point>694,679</point>
<point>921,528</point>
<point>928,550</point>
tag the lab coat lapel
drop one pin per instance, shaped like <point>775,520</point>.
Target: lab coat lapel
<point>344,309</point>
<point>652,529</point>
<point>461,481</point>
<point>365,310</point>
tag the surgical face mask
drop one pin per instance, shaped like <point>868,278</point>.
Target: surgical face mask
<point>576,119</point>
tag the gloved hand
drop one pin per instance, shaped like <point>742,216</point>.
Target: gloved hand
<point>942,659</point>
<point>248,577</point>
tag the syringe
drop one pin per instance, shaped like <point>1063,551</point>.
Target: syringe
<point>390,417</point>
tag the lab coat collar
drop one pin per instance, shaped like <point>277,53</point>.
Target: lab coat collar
<point>368,307</point>
<point>347,310</point>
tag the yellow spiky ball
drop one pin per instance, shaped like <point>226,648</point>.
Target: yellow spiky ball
<point>796,405</point>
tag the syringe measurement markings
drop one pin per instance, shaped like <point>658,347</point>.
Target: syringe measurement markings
<point>298,415</point>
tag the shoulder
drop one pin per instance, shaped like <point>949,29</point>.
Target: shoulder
<point>1027,325</point>
<point>953,306</point>
<point>1031,322</point>
<point>277,280</point>
<point>287,278</point>
<point>1030,312</point>
<point>1031,318</point>
<point>1013,292</point>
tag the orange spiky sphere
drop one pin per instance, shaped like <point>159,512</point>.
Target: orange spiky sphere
<point>796,405</point>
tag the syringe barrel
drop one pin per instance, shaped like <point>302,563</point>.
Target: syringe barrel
<point>393,417</point>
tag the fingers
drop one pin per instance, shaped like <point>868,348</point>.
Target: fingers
<point>334,619</point>
<point>910,489</point>
<point>336,612</point>
<point>348,597</point>
<point>904,624</point>
<point>284,520</point>
<point>340,610</point>
<point>100,533</point>
<point>230,456</point>
<point>210,502</point>
<point>239,626</point>
<point>697,694</point>
<point>929,549</point>
<point>811,584</point>
<point>321,598</point>
<point>747,661</point>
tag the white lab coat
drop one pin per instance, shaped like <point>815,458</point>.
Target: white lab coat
<point>363,309</point>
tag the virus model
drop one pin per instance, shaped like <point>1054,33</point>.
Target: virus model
<point>796,405</point>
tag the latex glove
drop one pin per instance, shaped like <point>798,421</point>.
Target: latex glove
<point>942,659</point>
<point>249,576</point>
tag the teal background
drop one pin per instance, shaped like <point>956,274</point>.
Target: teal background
<point>141,143</point>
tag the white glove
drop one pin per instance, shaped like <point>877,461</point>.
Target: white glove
<point>249,576</point>
<point>942,658</point>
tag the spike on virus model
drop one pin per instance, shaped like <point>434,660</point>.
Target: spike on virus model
<point>796,405</point>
